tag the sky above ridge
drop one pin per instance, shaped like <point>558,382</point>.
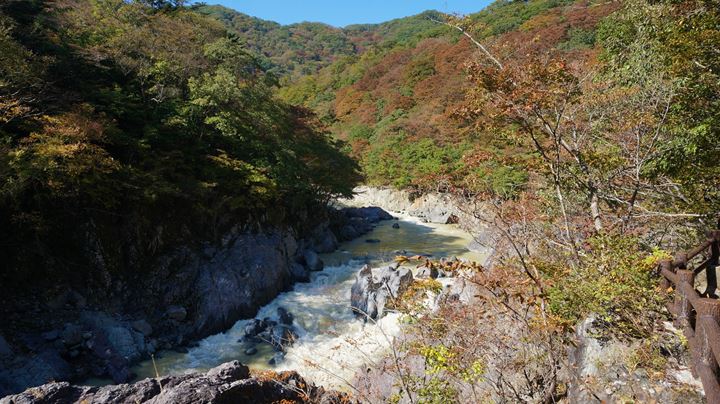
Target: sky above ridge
<point>340,13</point>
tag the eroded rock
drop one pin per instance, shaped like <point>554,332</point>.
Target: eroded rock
<point>374,287</point>
<point>227,383</point>
<point>313,262</point>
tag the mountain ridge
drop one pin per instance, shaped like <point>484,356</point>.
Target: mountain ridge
<point>301,49</point>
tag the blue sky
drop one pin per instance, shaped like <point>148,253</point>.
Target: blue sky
<point>344,12</point>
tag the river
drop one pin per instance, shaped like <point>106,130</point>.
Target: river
<point>332,343</point>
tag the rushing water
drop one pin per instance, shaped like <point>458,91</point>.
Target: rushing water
<point>332,343</point>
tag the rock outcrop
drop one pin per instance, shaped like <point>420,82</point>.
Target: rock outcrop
<point>186,295</point>
<point>279,334</point>
<point>227,383</point>
<point>603,366</point>
<point>431,207</point>
<point>373,288</point>
<point>120,319</point>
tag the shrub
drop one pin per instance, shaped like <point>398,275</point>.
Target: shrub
<point>615,280</point>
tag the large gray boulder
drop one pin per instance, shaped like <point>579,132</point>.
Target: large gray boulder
<point>44,367</point>
<point>238,280</point>
<point>373,288</point>
<point>312,261</point>
<point>324,240</point>
<point>372,214</point>
<point>227,383</point>
<point>143,327</point>
<point>299,272</point>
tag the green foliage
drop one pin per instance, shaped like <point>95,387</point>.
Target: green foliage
<point>419,69</point>
<point>507,15</point>
<point>615,281</point>
<point>675,39</point>
<point>578,38</point>
<point>406,163</point>
<point>406,86</point>
<point>294,50</point>
<point>360,132</point>
<point>150,116</point>
<point>441,364</point>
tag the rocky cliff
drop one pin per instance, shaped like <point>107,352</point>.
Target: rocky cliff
<point>227,383</point>
<point>100,329</point>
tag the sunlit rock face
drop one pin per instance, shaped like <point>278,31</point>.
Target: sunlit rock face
<point>373,288</point>
<point>227,383</point>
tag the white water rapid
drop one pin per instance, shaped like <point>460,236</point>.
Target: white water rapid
<point>332,343</point>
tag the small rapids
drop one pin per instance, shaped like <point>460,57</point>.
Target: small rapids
<point>332,343</point>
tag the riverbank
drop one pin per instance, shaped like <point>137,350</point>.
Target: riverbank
<point>100,329</point>
<point>331,343</point>
<point>204,293</point>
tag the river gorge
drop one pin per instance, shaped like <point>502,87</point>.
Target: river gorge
<point>332,342</point>
<point>268,279</point>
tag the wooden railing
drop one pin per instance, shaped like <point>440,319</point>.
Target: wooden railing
<point>698,314</point>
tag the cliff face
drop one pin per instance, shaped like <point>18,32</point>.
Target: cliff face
<point>100,328</point>
<point>189,294</point>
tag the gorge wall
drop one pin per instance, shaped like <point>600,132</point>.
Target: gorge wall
<point>100,328</point>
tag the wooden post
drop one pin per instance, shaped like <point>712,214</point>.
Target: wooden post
<point>708,312</point>
<point>682,301</point>
<point>681,260</point>
<point>711,270</point>
<point>664,282</point>
<point>715,247</point>
<point>708,316</point>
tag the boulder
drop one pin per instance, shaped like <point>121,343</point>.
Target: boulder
<point>373,214</point>
<point>254,327</point>
<point>431,273</point>
<point>72,334</point>
<point>349,232</point>
<point>110,333</point>
<point>361,225</point>
<point>251,351</point>
<point>324,240</point>
<point>374,287</point>
<point>312,261</point>
<point>142,327</point>
<point>227,383</point>
<point>229,372</point>
<point>299,272</point>
<point>176,313</point>
<point>238,279</point>
<point>284,316</point>
<point>396,226</point>
<point>44,366</point>
<point>125,342</point>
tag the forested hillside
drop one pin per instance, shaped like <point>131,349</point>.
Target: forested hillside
<point>135,127</point>
<point>298,50</point>
<point>397,104</point>
<point>409,108</point>
<point>577,140</point>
